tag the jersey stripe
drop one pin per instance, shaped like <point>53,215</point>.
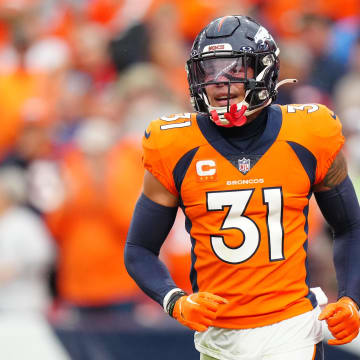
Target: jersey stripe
<point>182,166</point>
<point>306,158</point>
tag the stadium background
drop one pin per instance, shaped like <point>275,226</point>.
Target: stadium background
<point>79,82</point>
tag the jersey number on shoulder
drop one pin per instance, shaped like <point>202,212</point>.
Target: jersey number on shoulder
<point>309,107</point>
<point>237,202</point>
<point>177,124</point>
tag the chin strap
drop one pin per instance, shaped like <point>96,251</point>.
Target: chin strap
<point>237,114</point>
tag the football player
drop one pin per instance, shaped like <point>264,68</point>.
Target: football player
<point>243,170</point>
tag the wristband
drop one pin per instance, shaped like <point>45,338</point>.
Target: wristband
<point>170,299</point>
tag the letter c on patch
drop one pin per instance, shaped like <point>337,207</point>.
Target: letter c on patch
<point>206,167</point>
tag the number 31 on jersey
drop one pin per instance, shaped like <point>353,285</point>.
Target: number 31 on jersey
<point>237,201</point>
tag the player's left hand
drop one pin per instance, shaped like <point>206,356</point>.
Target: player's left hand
<point>236,117</point>
<point>343,320</point>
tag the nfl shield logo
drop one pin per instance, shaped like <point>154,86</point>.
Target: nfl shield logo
<point>244,165</point>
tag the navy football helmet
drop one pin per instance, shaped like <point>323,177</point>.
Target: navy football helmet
<point>222,52</point>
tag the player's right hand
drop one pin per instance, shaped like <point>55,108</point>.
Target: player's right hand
<point>198,311</point>
<point>343,320</point>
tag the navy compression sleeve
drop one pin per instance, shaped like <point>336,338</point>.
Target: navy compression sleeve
<point>149,228</point>
<point>341,210</point>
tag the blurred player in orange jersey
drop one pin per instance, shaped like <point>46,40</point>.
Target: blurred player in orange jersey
<point>90,226</point>
<point>243,171</point>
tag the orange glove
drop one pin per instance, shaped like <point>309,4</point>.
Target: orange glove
<point>343,320</point>
<point>197,311</point>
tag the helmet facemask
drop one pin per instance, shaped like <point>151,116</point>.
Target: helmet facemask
<point>230,67</point>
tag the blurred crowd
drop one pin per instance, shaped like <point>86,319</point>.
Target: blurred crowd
<point>79,82</point>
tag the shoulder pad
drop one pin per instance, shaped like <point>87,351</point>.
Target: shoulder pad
<point>168,129</point>
<point>165,141</point>
<point>318,129</point>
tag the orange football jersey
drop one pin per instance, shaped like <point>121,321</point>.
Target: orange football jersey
<point>246,212</point>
